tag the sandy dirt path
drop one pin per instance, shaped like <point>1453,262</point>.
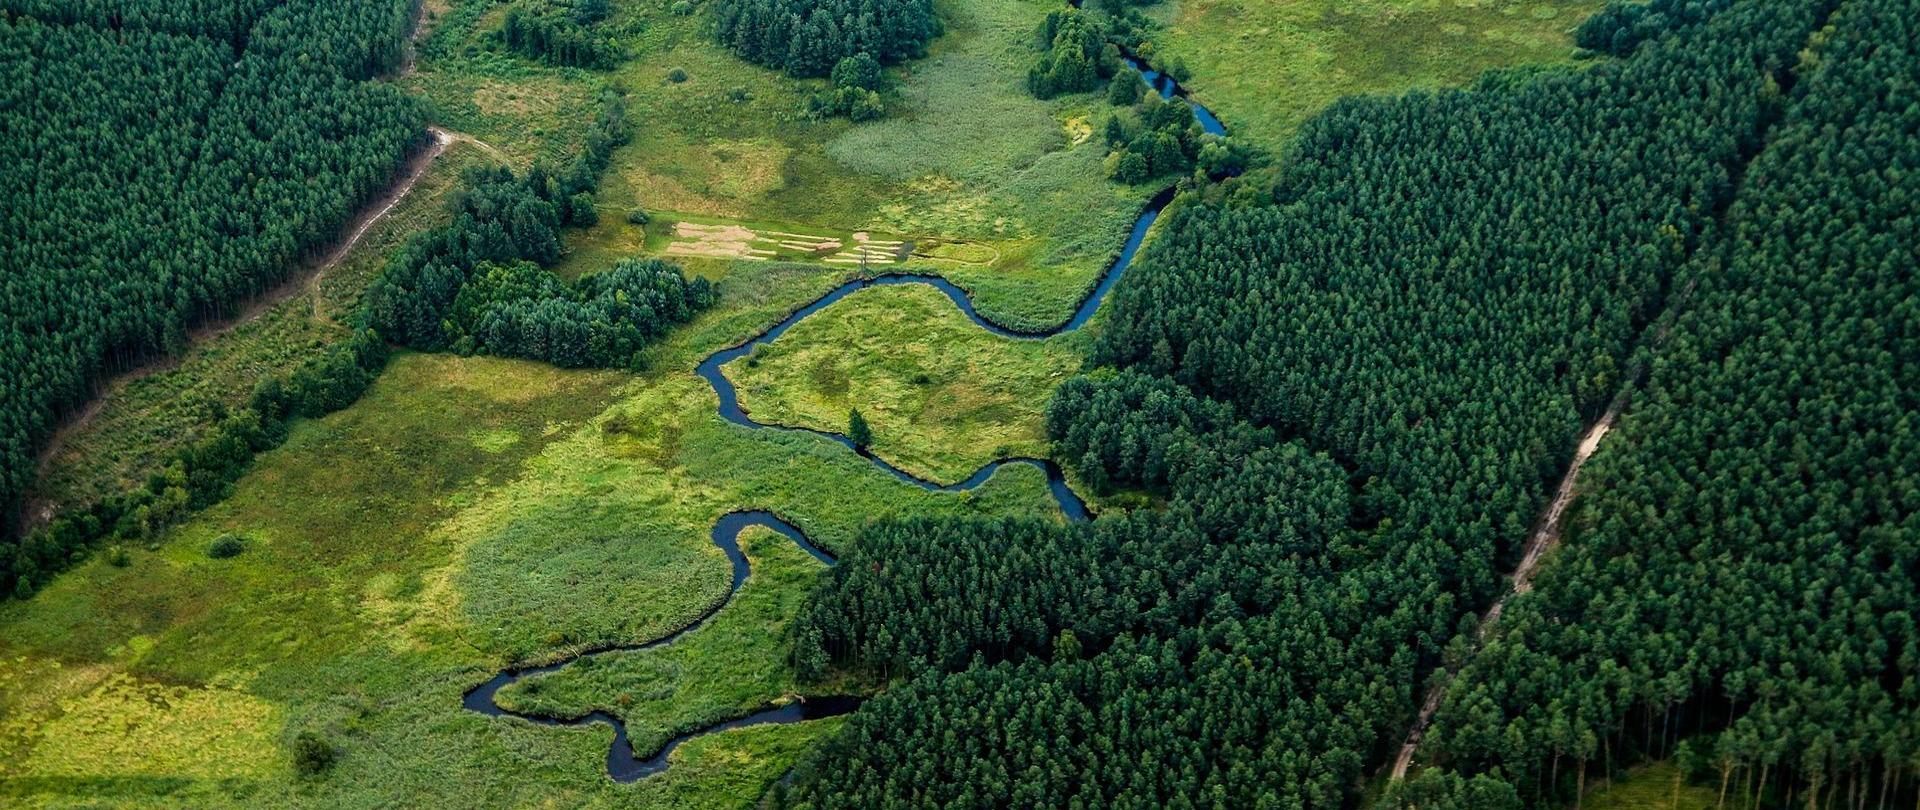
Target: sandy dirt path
<point>306,278</point>
<point>1545,536</point>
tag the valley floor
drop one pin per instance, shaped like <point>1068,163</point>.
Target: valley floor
<point>470,514</point>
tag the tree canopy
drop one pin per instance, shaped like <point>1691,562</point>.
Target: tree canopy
<point>162,162</point>
<point>1346,388</point>
<point>1742,568</point>
<point>809,37</point>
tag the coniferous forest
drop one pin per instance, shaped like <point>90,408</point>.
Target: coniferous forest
<point>1737,590</point>
<point>163,161</point>
<point>1355,391</point>
<point>211,175</point>
<point>809,37</point>
<point>1548,438</point>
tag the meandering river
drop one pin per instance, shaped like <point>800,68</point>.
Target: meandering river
<point>623,763</point>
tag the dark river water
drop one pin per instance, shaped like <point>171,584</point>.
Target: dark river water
<point>626,765</point>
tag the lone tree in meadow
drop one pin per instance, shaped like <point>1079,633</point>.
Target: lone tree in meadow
<point>857,430</point>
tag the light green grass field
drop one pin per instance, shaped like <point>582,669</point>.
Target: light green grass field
<point>942,395</point>
<point>466,514</point>
<point>1265,66</point>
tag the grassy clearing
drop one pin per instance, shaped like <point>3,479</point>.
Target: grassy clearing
<point>966,155</point>
<point>184,676</point>
<point>527,110</point>
<point>730,769</point>
<point>943,396</point>
<point>152,413</point>
<point>465,514</point>
<point>720,671</point>
<point>1654,787</point>
<point>1265,66</point>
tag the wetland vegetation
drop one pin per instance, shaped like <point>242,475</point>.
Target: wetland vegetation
<point>273,565</point>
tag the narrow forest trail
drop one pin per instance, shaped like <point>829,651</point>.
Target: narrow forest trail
<point>490,149</point>
<point>1545,536</point>
<point>1547,529</point>
<point>305,279</point>
<point>370,214</point>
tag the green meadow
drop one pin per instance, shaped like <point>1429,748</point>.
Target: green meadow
<point>465,515</point>
<point>470,514</point>
<point>943,396</point>
<point>964,156</point>
<point>1265,66</point>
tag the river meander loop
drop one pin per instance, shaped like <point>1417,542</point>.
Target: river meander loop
<point>623,764</point>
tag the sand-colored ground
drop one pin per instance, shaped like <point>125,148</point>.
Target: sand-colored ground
<point>740,242</point>
<point>722,241</point>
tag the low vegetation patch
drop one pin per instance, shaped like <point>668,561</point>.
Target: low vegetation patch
<point>1265,67</point>
<point>940,395</point>
<point>725,669</point>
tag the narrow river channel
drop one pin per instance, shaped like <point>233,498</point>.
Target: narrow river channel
<point>626,765</point>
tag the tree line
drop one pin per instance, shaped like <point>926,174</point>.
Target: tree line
<point>1352,382</point>
<point>809,37</point>
<point>476,285</point>
<point>164,161</point>
<point>561,33</point>
<point>503,227</point>
<point>1738,586</point>
<point>606,320</point>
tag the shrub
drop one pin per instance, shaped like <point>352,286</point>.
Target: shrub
<point>225,546</point>
<point>677,75</point>
<point>1127,167</point>
<point>312,753</point>
<point>681,8</point>
<point>638,216</point>
<point>859,70</point>
<point>858,431</point>
<point>853,102</point>
<point>581,211</point>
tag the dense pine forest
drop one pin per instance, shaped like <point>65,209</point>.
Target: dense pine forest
<point>1353,397</point>
<point>475,286</point>
<point>809,37</point>
<point>1738,587</point>
<point>163,161</point>
<point>1552,430</point>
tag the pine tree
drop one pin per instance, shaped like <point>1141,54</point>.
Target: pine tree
<point>858,432</point>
